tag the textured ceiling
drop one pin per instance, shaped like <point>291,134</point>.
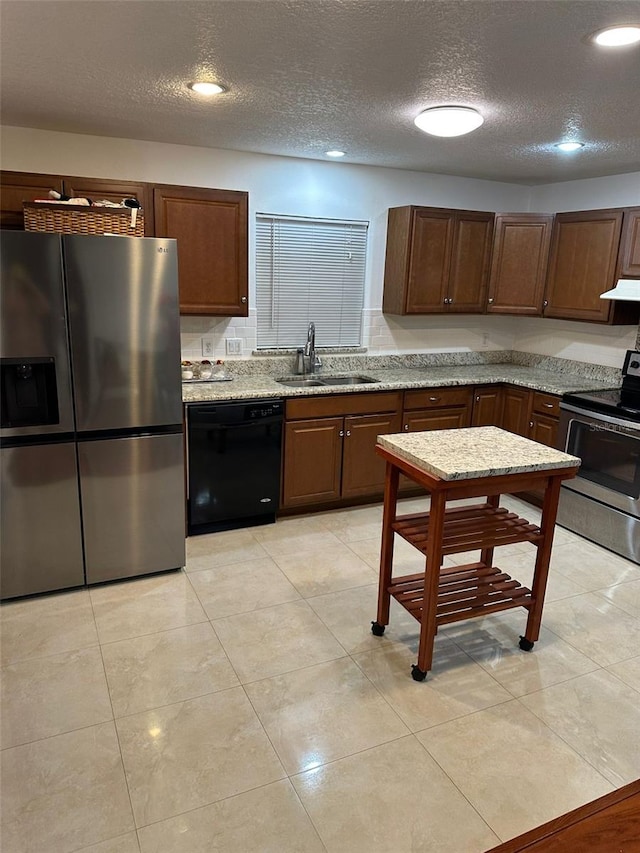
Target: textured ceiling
<point>308,75</point>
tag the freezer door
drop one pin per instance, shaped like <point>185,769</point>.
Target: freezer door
<point>33,332</point>
<point>133,506</point>
<point>40,520</point>
<point>125,331</point>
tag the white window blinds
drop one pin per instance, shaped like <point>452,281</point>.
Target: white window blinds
<point>309,270</point>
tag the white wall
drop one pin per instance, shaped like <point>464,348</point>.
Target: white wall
<point>340,190</point>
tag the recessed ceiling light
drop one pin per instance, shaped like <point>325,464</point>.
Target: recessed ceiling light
<point>448,121</point>
<point>569,146</point>
<point>334,153</point>
<point>207,88</point>
<point>617,36</point>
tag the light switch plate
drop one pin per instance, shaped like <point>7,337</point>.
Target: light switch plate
<point>234,346</point>
<point>207,345</point>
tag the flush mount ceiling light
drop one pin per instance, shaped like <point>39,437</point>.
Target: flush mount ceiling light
<point>203,88</point>
<point>448,121</point>
<point>617,36</point>
<point>569,146</point>
<point>335,153</point>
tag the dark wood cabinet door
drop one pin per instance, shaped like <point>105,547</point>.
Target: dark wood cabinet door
<point>312,461</point>
<point>363,470</point>
<point>211,227</point>
<point>470,260</point>
<point>630,245</point>
<point>16,187</point>
<point>516,410</point>
<point>487,406</point>
<point>584,255</point>
<point>103,188</point>
<point>430,258</point>
<point>544,429</point>
<point>519,263</point>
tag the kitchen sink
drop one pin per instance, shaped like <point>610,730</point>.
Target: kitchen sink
<point>347,380</point>
<point>294,382</point>
<point>300,383</point>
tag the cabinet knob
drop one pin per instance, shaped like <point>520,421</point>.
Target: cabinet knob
<point>446,301</point>
<point>530,423</point>
<point>490,300</point>
<point>243,300</point>
<point>477,399</point>
<point>341,433</point>
<point>545,303</point>
<point>348,432</point>
<point>406,426</point>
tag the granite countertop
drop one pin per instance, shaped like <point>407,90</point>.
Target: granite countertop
<point>470,452</point>
<point>264,386</point>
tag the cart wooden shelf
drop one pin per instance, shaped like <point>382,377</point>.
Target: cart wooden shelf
<point>456,464</point>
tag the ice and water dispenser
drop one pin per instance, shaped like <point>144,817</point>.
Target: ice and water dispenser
<point>28,395</point>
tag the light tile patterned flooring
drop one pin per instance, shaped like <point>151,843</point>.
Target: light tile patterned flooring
<point>243,705</point>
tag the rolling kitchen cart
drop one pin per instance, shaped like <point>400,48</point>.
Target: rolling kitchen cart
<point>476,462</point>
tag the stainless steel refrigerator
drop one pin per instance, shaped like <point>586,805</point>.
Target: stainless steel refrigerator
<point>91,442</point>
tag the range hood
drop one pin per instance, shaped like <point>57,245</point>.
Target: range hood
<point>626,289</point>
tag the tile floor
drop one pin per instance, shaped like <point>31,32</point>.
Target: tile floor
<point>243,705</point>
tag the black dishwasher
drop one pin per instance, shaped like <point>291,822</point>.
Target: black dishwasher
<point>233,464</point>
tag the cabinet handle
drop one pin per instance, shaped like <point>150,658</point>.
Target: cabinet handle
<point>348,433</point>
<point>548,405</point>
<point>433,399</point>
<point>243,300</point>
<point>341,433</point>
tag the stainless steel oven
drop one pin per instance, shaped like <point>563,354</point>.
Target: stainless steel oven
<point>603,428</point>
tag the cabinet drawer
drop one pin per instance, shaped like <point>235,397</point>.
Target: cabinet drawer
<point>336,405</point>
<point>546,404</point>
<point>434,397</point>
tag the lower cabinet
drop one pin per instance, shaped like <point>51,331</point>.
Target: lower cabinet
<point>488,401</point>
<point>516,412</point>
<point>332,457</point>
<point>434,408</point>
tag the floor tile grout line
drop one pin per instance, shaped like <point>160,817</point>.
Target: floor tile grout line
<point>115,727</point>
<point>568,745</point>
<point>457,787</point>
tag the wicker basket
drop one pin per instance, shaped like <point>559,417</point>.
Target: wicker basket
<point>79,219</point>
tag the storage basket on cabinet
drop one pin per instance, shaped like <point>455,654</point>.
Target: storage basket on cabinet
<point>78,219</point>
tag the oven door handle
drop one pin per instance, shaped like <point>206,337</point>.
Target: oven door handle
<point>598,416</point>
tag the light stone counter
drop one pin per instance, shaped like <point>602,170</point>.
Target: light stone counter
<point>244,387</point>
<point>470,452</point>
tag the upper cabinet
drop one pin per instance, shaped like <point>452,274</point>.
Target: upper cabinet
<point>211,227</point>
<point>630,245</point>
<point>583,264</point>
<point>519,263</point>
<point>437,260</point>
<point>18,187</point>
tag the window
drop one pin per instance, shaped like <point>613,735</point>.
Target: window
<point>309,270</point>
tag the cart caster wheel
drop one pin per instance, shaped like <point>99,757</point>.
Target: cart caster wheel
<point>525,645</point>
<point>417,674</point>
<point>377,629</point>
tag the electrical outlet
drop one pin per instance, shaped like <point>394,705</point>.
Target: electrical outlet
<point>485,340</point>
<point>234,346</point>
<point>207,345</point>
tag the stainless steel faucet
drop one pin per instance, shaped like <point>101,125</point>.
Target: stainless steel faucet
<point>310,360</point>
